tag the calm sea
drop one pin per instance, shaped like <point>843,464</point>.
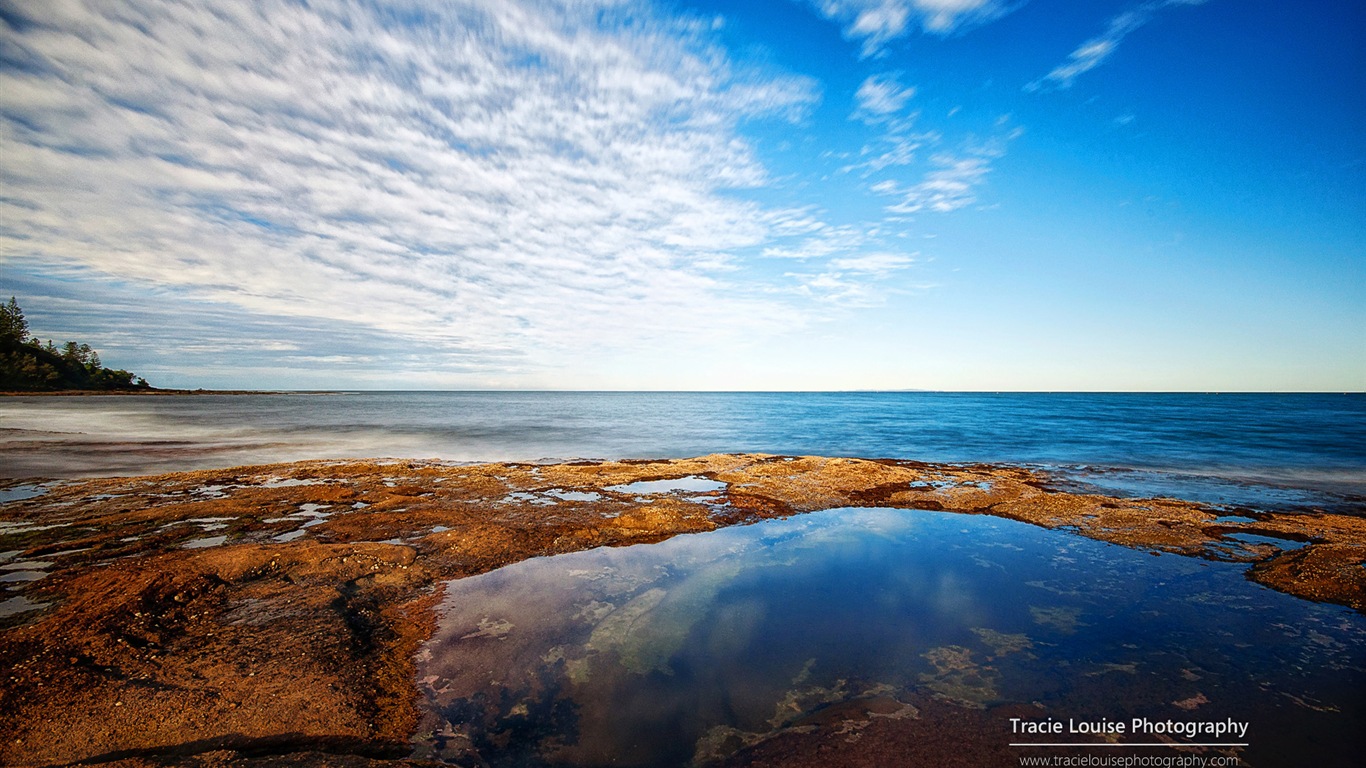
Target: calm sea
<point>1270,449</point>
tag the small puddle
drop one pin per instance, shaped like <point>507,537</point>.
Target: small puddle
<point>207,541</point>
<point>21,492</point>
<point>689,484</point>
<point>565,495</point>
<point>522,497</point>
<point>17,605</point>
<point>291,482</point>
<point>25,527</point>
<point>944,485</point>
<point>211,491</point>
<point>204,523</point>
<point>27,565</point>
<point>1253,538</point>
<point>310,514</point>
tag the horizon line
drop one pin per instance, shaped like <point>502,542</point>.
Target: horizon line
<point>489,390</point>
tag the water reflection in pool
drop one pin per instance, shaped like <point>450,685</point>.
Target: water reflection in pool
<point>684,651</point>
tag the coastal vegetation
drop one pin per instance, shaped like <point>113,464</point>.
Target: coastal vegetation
<point>29,365</point>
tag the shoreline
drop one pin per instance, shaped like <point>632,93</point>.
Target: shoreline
<point>295,633</point>
<point>154,392</point>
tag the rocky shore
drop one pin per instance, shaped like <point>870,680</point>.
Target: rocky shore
<point>270,614</point>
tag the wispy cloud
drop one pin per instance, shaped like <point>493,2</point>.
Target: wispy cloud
<point>492,177</point>
<point>881,102</point>
<point>874,23</point>
<point>894,148</point>
<point>953,179</point>
<point>881,95</point>
<point>950,186</point>
<point>873,263</point>
<point>853,281</point>
<point>824,241</point>
<point>1095,51</point>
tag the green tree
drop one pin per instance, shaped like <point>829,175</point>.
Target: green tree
<point>13,326</point>
<point>29,365</point>
<point>19,371</point>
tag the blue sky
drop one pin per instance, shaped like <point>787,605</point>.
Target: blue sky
<point>689,194</point>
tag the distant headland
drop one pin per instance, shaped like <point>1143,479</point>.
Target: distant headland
<point>29,366</point>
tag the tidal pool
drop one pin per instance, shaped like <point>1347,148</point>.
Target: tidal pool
<point>685,651</point>
<point>689,484</point>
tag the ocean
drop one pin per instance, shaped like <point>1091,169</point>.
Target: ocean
<point>1265,450</point>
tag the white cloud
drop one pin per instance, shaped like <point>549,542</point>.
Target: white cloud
<point>1095,51</point>
<point>881,95</point>
<point>876,22</point>
<point>853,281</point>
<point>827,241</point>
<point>843,266</point>
<point>950,186</point>
<point>881,103</point>
<point>953,177</point>
<point>493,177</point>
<point>953,181</point>
<point>873,263</point>
<point>892,149</point>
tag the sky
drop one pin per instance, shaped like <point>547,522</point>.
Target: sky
<point>691,194</point>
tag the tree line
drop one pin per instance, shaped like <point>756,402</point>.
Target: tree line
<point>29,365</point>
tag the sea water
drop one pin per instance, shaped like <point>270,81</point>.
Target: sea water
<point>1267,450</point>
